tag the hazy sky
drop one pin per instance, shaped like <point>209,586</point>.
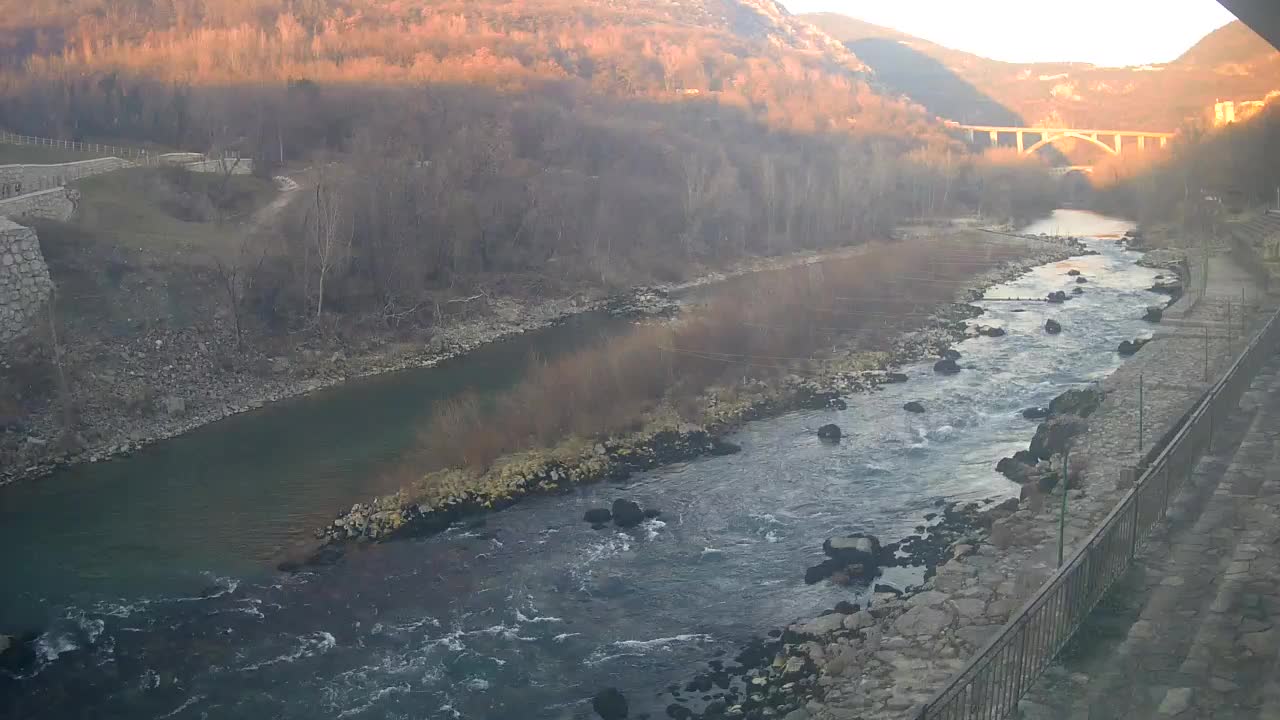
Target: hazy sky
<point>1103,32</point>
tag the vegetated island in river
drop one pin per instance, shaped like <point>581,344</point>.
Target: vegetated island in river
<point>670,391</point>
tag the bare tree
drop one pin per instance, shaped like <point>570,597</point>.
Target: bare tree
<point>331,230</point>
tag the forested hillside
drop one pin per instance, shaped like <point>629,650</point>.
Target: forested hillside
<point>524,147</point>
<point>1232,63</point>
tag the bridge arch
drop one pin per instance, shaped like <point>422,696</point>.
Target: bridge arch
<point>1050,139</point>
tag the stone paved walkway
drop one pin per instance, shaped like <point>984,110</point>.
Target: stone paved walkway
<point>1190,631</point>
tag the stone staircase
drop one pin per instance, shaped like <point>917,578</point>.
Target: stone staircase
<point>1190,632</point>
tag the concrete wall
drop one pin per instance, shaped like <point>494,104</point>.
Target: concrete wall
<point>56,204</point>
<point>18,180</point>
<point>24,280</point>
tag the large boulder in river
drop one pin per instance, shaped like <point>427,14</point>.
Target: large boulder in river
<point>596,516</point>
<point>1053,327</point>
<point>1073,273</point>
<point>914,406</point>
<point>1082,280</point>
<point>627,513</point>
<point>1076,401</point>
<point>856,548</point>
<point>1129,348</point>
<point>1054,435</point>
<point>830,433</point>
<point>951,354</point>
<point>946,366</point>
<point>610,704</point>
<point>1057,297</point>
<point>1017,471</point>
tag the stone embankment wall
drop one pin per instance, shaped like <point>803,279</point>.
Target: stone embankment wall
<point>24,280</point>
<point>16,180</point>
<point>55,204</point>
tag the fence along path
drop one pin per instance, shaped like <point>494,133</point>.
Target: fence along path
<point>990,685</point>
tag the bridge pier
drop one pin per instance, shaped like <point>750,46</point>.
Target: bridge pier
<point>1119,143</point>
<point>995,138</point>
<point>1142,142</point>
<point>1020,143</point>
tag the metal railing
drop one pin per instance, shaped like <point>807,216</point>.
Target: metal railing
<point>138,155</point>
<point>995,679</point>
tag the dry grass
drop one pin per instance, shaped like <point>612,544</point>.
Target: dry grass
<point>756,327</point>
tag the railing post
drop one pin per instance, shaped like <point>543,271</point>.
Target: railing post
<point>1133,535</point>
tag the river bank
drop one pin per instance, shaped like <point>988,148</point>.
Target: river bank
<point>154,601</point>
<point>162,383</point>
<point>441,498</point>
<point>885,660</point>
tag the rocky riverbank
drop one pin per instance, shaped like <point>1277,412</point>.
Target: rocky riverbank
<point>886,660</point>
<point>138,388</point>
<point>443,497</point>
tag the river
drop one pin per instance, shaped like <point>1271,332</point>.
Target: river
<point>529,612</point>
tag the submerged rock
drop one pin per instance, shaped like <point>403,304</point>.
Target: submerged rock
<point>627,513</point>
<point>610,704</point>
<point>914,407</point>
<point>830,433</point>
<point>1082,280</point>
<point>1154,314</point>
<point>1077,291</point>
<point>946,366</point>
<point>1053,327</point>
<point>596,516</point>
<point>895,377</point>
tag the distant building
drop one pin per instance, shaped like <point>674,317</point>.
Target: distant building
<point>1226,112</point>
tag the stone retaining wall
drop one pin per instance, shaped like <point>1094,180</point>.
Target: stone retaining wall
<point>55,204</point>
<point>237,166</point>
<point>24,280</point>
<point>16,180</point>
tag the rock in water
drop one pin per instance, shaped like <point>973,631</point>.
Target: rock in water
<point>1054,435</point>
<point>596,516</point>
<point>610,704</point>
<point>1082,280</point>
<point>1057,297</point>
<point>914,407</point>
<point>946,366</point>
<point>627,513</point>
<point>1053,327</point>
<point>1154,314</point>
<point>857,548</point>
<point>1035,413</point>
<point>1073,273</point>
<point>1076,401</point>
<point>1129,348</point>
<point>1077,291</point>
<point>830,433</point>
<point>895,377</point>
<point>950,354</point>
<point>988,331</point>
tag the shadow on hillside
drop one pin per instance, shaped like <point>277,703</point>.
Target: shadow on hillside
<point>904,70</point>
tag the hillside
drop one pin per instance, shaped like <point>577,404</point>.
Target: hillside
<point>1230,63</point>
<point>748,54</point>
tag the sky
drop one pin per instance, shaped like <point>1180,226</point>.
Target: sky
<point>1102,32</point>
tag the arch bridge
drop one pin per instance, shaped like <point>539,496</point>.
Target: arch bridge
<point>1046,136</point>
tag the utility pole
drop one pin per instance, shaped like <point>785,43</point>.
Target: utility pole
<point>1141,406</point>
<point>1062,515</point>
